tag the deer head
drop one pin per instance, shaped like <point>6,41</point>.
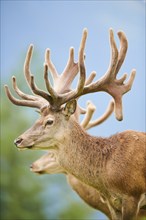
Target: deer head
<point>48,163</point>
<point>60,102</point>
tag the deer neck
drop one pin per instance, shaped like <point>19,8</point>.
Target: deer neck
<point>81,154</point>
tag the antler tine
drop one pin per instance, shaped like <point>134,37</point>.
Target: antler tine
<point>118,98</point>
<point>50,64</point>
<point>89,124</point>
<point>50,89</point>
<point>27,71</point>
<point>114,56</point>
<point>20,93</point>
<point>40,92</point>
<point>70,64</point>
<point>123,49</point>
<point>28,103</point>
<point>82,69</point>
<point>68,74</point>
<point>129,84</point>
<point>90,111</point>
<point>90,78</point>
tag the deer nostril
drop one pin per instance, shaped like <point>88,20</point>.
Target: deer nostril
<point>31,166</point>
<point>18,141</point>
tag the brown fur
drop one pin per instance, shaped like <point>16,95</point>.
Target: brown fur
<point>48,164</point>
<point>92,197</point>
<point>115,165</point>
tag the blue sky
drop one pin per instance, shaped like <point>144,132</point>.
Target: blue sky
<point>59,24</point>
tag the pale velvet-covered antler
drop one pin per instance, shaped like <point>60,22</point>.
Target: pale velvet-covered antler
<point>61,92</point>
<point>87,123</point>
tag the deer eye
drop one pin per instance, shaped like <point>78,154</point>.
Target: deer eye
<point>49,122</point>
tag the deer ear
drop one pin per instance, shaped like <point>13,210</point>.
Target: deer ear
<point>70,108</point>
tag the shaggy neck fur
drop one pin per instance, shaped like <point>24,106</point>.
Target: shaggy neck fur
<point>83,155</point>
<point>97,161</point>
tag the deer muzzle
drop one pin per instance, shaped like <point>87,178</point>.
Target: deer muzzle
<point>19,143</point>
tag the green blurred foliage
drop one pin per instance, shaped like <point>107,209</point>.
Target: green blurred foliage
<point>25,195</point>
<point>19,195</point>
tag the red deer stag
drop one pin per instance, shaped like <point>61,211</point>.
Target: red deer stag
<point>48,164</point>
<point>115,166</point>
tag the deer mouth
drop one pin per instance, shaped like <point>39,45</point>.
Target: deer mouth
<point>29,147</point>
<point>36,170</point>
<point>24,148</point>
